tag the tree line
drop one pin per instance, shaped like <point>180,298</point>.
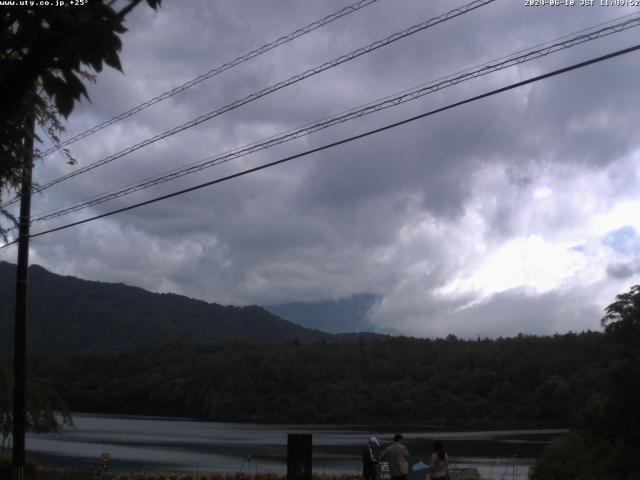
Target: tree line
<point>521,381</point>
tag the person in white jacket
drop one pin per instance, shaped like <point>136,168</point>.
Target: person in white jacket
<point>370,459</point>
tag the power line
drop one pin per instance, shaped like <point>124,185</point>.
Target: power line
<point>296,78</point>
<point>388,102</point>
<point>345,140</point>
<point>211,73</point>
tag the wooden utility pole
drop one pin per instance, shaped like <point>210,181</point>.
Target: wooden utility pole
<point>20,339</point>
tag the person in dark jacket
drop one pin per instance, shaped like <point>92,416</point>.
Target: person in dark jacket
<point>370,459</point>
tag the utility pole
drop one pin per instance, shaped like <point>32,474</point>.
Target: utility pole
<point>20,334</point>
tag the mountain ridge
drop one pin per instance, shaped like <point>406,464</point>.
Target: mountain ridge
<point>346,314</point>
<point>69,314</point>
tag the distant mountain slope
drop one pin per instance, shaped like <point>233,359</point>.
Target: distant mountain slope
<point>335,316</point>
<point>67,314</point>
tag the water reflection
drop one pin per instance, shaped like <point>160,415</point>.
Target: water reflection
<point>167,444</point>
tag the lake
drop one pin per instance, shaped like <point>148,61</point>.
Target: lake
<point>173,445</point>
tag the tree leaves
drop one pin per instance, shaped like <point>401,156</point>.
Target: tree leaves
<point>43,402</point>
<point>64,102</point>
<point>50,47</point>
<point>622,319</point>
<point>113,60</point>
<point>51,83</point>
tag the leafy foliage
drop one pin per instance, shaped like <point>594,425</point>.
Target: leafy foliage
<point>562,458</point>
<point>6,467</point>
<point>605,440</point>
<point>622,321</point>
<point>44,52</point>
<point>42,404</point>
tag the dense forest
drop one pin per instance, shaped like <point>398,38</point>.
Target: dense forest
<point>68,314</point>
<point>522,381</point>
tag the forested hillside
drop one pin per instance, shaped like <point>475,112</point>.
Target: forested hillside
<point>67,314</point>
<point>111,348</point>
<point>523,381</point>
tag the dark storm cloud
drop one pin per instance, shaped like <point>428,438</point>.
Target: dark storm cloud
<point>398,214</point>
<point>622,271</point>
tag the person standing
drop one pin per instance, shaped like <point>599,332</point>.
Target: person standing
<point>398,456</point>
<point>370,459</point>
<point>439,465</point>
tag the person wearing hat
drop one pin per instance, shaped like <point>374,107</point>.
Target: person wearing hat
<point>398,456</point>
<point>370,459</point>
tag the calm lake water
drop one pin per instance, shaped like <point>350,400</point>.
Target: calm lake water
<point>167,444</point>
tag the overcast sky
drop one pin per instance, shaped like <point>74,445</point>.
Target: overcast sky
<point>516,213</point>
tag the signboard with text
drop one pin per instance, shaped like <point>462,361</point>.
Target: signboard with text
<point>384,473</point>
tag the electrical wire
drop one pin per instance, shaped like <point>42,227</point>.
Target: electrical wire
<point>215,71</point>
<point>294,79</point>
<point>388,102</point>
<point>345,140</point>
